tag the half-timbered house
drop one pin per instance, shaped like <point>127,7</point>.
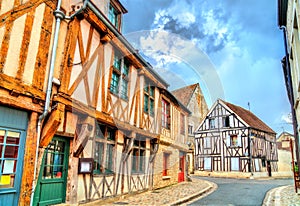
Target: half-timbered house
<point>80,110</point>
<point>191,97</point>
<point>170,162</point>
<point>232,138</point>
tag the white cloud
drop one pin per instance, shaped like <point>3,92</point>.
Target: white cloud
<point>287,118</point>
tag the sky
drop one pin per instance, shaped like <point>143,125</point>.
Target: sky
<point>232,48</point>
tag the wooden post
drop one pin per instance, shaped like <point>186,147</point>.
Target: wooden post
<point>296,174</point>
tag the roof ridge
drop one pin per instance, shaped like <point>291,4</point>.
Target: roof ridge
<point>250,118</point>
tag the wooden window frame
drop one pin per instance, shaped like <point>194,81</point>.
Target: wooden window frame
<point>121,69</point>
<point>139,156</point>
<point>165,114</point>
<point>105,149</point>
<point>114,16</point>
<point>149,98</point>
<point>166,163</point>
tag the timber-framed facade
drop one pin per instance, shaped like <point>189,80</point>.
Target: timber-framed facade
<point>80,110</point>
<point>233,139</point>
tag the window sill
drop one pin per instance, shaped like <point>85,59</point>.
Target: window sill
<point>166,177</point>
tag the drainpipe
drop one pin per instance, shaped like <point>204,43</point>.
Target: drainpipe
<point>59,16</point>
<point>290,91</point>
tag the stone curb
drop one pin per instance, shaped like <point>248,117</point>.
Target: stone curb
<point>271,198</point>
<point>212,187</point>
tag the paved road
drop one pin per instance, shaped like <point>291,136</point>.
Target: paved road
<point>239,191</point>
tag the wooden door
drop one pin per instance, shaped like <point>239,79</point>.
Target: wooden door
<point>13,124</point>
<point>51,187</point>
<point>181,168</point>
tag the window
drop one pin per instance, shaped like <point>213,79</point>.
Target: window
<point>54,160</point>
<point>104,150</point>
<point>165,114</point>
<point>226,122</point>
<point>166,157</point>
<point>113,16</point>
<point>138,156</point>
<point>207,142</point>
<point>190,128</point>
<point>212,124</point>
<point>120,77</point>
<point>149,99</point>
<point>182,124</point>
<point>234,140</point>
<point>9,149</point>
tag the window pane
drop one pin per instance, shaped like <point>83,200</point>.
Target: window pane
<point>114,85</point>
<point>99,148</point>
<point>151,107</point>
<point>146,109</point>
<point>124,90</point>
<point>11,152</point>
<point>113,16</point>
<point>110,135</point>
<point>142,160</point>
<point>151,91</point>
<point>7,181</point>
<point>125,68</point>
<point>109,158</point>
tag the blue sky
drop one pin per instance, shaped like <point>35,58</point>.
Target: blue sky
<point>232,48</point>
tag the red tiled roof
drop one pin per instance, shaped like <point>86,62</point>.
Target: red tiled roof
<point>252,120</point>
<point>184,94</point>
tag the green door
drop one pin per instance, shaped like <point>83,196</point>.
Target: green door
<point>51,187</point>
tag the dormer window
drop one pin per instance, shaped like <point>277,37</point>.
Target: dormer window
<point>113,16</point>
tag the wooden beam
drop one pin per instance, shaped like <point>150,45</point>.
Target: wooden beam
<point>52,124</point>
<point>70,47</point>
<point>25,44</point>
<point>43,50</point>
<point>87,126</point>
<point>22,102</point>
<point>79,107</point>
<point>29,157</point>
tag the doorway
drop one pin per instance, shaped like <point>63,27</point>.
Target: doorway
<point>51,187</point>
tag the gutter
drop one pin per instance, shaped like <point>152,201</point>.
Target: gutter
<point>59,16</point>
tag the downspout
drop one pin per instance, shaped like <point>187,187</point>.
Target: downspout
<point>290,91</point>
<point>59,16</point>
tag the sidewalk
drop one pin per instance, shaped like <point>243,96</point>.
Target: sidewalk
<point>282,196</point>
<point>184,191</point>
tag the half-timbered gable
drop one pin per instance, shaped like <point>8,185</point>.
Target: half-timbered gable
<point>230,137</point>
